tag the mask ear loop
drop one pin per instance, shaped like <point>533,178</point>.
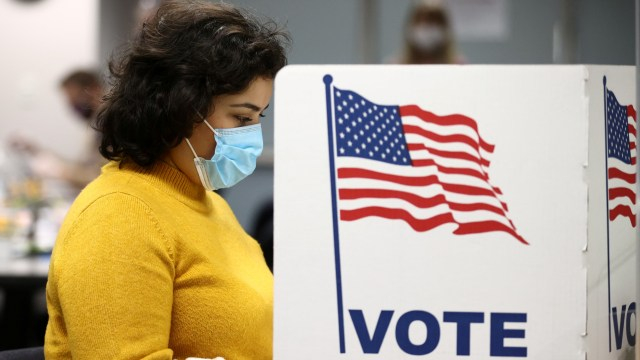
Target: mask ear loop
<point>207,123</point>
<point>210,127</point>
<point>191,147</point>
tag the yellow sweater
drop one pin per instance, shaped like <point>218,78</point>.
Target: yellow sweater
<point>148,265</point>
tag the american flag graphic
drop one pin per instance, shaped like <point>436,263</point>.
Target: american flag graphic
<point>621,148</point>
<point>407,164</point>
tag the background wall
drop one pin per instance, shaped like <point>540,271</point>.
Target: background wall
<point>44,40</point>
<point>605,32</point>
<point>116,23</point>
<point>601,32</point>
<point>41,42</point>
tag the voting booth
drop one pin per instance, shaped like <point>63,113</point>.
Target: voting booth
<point>445,212</point>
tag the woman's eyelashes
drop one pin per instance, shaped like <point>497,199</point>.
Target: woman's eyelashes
<point>247,119</point>
<point>244,119</point>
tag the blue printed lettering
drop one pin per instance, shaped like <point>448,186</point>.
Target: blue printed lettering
<point>499,333</point>
<point>463,321</point>
<point>622,324</point>
<point>618,326</point>
<point>631,338</point>
<point>371,344</point>
<point>433,332</point>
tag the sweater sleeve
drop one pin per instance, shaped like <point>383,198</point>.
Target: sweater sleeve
<point>112,277</point>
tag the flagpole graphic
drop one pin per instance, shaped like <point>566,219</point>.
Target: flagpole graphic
<point>606,181</point>
<point>620,122</point>
<point>328,79</point>
<point>407,166</point>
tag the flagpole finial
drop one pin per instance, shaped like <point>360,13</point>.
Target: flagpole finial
<point>604,80</point>
<point>328,79</point>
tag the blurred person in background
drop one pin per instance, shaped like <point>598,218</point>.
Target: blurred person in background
<point>84,91</point>
<point>428,35</point>
<point>150,262</point>
<point>40,209</point>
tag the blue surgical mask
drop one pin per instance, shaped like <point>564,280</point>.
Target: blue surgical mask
<point>234,159</point>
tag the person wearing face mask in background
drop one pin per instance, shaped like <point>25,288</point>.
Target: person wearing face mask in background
<point>150,262</point>
<point>83,91</point>
<point>428,36</point>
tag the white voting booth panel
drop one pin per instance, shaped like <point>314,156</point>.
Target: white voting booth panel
<point>455,212</point>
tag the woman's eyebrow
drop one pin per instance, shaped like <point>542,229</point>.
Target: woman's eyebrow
<point>250,106</point>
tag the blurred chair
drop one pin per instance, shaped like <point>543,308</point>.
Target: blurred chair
<point>34,353</point>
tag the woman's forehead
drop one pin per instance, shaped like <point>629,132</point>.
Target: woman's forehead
<point>258,93</point>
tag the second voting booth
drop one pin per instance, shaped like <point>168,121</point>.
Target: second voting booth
<point>455,212</point>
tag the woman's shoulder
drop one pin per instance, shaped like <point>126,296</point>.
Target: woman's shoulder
<point>111,220</point>
<point>113,197</point>
<point>106,193</point>
<point>116,182</point>
<point>112,207</point>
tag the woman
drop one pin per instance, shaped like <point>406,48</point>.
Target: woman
<point>428,36</point>
<point>148,263</point>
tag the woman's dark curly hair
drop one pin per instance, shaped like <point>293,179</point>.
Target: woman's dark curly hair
<point>184,56</point>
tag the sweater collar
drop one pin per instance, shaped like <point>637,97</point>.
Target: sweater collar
<point>168,179</point>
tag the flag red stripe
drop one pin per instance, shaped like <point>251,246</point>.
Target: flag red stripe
<point>615,173</point>
<point>619,192</point>
<point>487,226</point>
<point>482,206</point>
<point>632,145</point>
<point>413,129</point>
<point>632,129</point>
<point>623,210</point>
<point>479,206</point>
<point>449,170</point>
<point>466,189</point>
<point>397,214</point>
<point>633,160</point>
<point>349,173</point>
<point>461,155</point>
<point>456,171</point>
<point>430,223</point>
<point>416,200</point>
<point>447,120</point>
<point>631,111</point>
